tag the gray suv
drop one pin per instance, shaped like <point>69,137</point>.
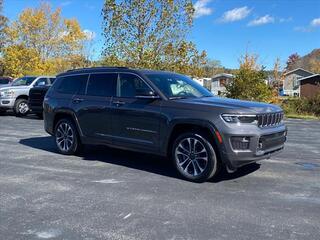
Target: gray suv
<point>162,113</point>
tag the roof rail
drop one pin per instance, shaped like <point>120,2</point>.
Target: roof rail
<point>102,67</point>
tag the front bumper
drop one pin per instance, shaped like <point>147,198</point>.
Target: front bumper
<point>7,103</point>
<point>262,144</point>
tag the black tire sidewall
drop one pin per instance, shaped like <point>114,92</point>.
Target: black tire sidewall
<point>212,165</point>
<point>76,143</point>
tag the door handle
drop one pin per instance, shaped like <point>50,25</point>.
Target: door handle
<point>77,100</point>
<point>119,103</point>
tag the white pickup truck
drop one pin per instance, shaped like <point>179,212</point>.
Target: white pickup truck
<point>16,95</point>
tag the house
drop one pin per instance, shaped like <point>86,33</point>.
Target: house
<point>310,85</point>
<point>219,82</point>
<point>291,83</point>
<point>205,82</point>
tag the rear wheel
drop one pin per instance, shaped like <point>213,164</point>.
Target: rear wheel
<point>66,137</point>
<point>21,107</point>
<point>194,157</point>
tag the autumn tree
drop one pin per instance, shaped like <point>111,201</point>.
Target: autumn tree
<point>45,33</point>
<point>249,82</point>
<point>150,34</point>
<point>292,60</point>
<point>3,24</point>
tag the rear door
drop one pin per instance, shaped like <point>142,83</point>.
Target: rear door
<point>135,120</point>
<point>93,107</point>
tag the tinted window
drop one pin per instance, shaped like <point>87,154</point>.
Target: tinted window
<point>4,81</point>
<point>72,84</point>
<point>130,85</point>
<point>103,85</point>
<point>52,80</point>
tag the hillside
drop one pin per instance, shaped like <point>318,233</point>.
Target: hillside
<point>310,62</point>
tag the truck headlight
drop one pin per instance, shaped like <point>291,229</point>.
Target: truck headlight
<point>240,118</point>
<point>7,94</point>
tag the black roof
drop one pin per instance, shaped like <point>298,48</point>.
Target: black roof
<point>109,69</point>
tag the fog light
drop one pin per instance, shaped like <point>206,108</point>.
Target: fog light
<point>240,143</point>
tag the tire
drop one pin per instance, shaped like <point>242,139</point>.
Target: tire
<point>66,137</point>
<point>21,107</point>
<point>39,115</point>
<point>194,157</point>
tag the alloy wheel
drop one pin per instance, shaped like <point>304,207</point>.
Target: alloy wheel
<point>191,156</point>
<point>64,137</point>
<point>23,108</point>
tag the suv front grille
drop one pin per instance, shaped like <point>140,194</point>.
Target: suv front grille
<point>269,119</point>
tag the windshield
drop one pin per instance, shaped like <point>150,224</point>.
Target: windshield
<point>176,86</point>
<point>24,81</point>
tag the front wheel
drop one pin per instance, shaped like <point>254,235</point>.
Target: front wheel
<point>21,107</point>
<point>66,137</point>
<point>194,157</point>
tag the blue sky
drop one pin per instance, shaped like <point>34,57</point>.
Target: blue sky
<point>224,28</point>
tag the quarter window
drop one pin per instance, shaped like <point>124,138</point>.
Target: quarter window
<point>73,84</point>
<point>103,85</point>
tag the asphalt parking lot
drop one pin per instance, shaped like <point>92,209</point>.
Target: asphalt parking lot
<point>112,194</point>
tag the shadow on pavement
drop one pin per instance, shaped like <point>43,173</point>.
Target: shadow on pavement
<point>139,161</point>
<point>11,114</point>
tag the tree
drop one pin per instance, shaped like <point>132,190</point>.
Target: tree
<point>249,82</point>
<point>212,67</point>
<point>292,60</point>
<point>3,24</point>
<point>43,32</point>
<point>152,36</point>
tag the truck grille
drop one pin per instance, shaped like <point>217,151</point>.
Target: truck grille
<point>270,119</point>
<point>272,140</point>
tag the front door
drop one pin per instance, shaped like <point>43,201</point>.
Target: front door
<point>135,120</point>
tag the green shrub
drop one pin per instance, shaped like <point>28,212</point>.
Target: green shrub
<point>305,106</point>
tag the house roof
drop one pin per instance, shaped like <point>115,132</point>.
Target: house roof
<point>228,75</point>
<point>311,76</point>
<point>297,69</point>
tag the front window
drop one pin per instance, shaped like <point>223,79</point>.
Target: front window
<point>176,86</point>
<point>24,81</point>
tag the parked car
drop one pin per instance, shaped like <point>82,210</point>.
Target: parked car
<point>36,96</point>
<point>5,81</point>
<point>162,113</point>
<point>16,95</point>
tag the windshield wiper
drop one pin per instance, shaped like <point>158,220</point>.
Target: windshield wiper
<point>173,98</point>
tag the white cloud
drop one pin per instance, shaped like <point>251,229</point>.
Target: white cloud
<point>315,22</point>
<point>235,14</point>
<point>310,28</point>
<point>261,21</point>
<point>90,35</point>
<point>201,8</point>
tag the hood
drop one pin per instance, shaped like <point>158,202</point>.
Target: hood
<point>14,87</point>
<point>234,105</point>
<point>4,85</point>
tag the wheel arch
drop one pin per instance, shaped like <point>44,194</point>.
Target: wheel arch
<point>68,114</point>
<point>204,127</point>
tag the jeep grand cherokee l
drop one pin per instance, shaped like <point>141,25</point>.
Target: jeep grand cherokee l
<point>162,113</point>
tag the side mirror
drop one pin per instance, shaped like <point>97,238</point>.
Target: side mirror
<point>146,93</point>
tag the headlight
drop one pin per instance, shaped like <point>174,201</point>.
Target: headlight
<point>239,118</point>
<point>7,94</point>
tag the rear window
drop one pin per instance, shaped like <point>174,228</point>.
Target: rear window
<point>72,84</point>
<point>102,85</point>
<point>4,81</point>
